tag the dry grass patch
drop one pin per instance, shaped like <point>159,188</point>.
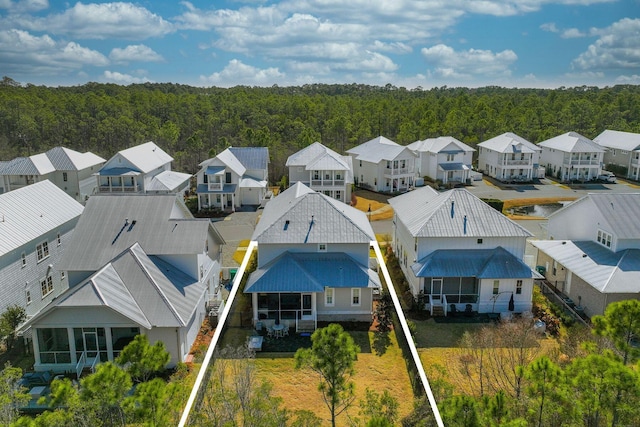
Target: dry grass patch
<point>379,210</point>
<point>299,387</point>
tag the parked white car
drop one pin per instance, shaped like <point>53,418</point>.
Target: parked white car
<point>607,176</point>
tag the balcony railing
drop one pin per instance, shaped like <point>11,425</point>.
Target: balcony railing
<point>216,186</point>
<point>514,162</point>
<point>327,182</point>
<point>579,162</point>
<point>119,189</point>
<point>397,171</point>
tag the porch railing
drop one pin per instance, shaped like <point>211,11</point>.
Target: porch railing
<point>439,301</point>
<point>80,364</point>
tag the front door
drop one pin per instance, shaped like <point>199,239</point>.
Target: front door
<point>307,307</point>
<point>90,340</point>
<point>436,289</point>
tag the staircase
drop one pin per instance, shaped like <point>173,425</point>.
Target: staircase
<point>306,326</point>
<point>438,311</point>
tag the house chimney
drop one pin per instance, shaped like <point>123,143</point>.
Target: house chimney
<point>452,208</point>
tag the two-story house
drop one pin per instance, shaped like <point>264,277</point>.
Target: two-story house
<point>457,251</point>
<point>313,261</point>
<point>323,170</point>
<point>36,224</point>
<point>137,264</point>
<point>145,168</point>
<point>593,252</point>
<point>622,150</point>
<point>71,171</point>
<point>571,156</point>
<point>509,157</point>
<point>443,158</point>
<point>236,177</point>
<point>383,165</point>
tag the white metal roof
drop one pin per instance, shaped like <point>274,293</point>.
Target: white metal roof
<point>377,150</point>
<point>318,157</point>
<point>627,141</point>
<point>66,159</point>
<point>509,142</point>
<point>146,157</point>
<point>606,271</point>
<point>454,213</point>
<point>31,211</point>
<point>441,143</point>
<point>168,181</point>
<point>301,215</point>
<point>38,164</point>
<point>572,142</point>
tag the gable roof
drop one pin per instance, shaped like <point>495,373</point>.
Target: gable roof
<point>311,272</point>
<point>572,142</point>
<point>318,157</point>
<point>495,263</point>
<point>377,150</point>
<point>627,141</point>
<point>31,211</point>
<point>144,289</point>
<point>619,210</point>
<point>454,213</point>
<point>161,224</point>
<point>439,144</point>
<point>301,215</point>
<point>606,271</point>
<point>230,160</point>
<point>252,157</point>
<point>509,142</point>
<point>146,157</point>
<point>65,159</point>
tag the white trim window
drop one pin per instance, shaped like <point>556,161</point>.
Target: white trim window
<point>46,286</point>
<point>496,287</point>
<point>59,239</point>
<point>28,297</point>
<point>322,247</point>
<point>23,257</point>
<point>604,238</point>
<point>355,297</point>
<point>518,287</point>
<point>329,294</point>
<point>42,250</point>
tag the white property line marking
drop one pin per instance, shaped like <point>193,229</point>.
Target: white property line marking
<point>407,333</point>
<point>216,335</point>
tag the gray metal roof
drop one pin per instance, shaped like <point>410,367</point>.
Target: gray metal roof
<point>318,157</point>
<point>301,215</point>
<point>606,271</point>
<point>31,211</point>
<point>168,181</point>
<point>627,141</point>
<point>38,164</point>
<point>427,213</point>
<point>252,157</point>
<point>495,263</point>
<point>439,144</point>
<point>162,227</point>
<point>147,290</point>
<point>66,159</point>
<point>509,142</point>
<point>377,150</point>
<point>311,272</point>
<point>228,159</point>
<point>572,142</point>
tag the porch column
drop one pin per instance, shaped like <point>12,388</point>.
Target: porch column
<point>36,347</point>
<point>108,338</point>
<point>72,346</point>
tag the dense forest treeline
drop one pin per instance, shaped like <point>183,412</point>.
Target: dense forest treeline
<point>193,124</point>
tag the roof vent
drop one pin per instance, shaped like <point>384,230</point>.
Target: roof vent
<point>564,243</point>
<point>584,255</point>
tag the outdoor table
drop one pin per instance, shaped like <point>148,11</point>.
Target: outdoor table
<point>277,329</point>
<point>255,343</point>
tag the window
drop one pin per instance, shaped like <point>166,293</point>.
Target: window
<point>518,287</point>
<point>360,163</point>
<point>328,297</point>
<point>42,251</point>
<point>227,177</point>
<point>65,177</point>
<point>338,175</point>
<point>450,157</point>
<point>338,194</point>
<point>355,296</point>
<point>24,259</point>
<point>58,239</point>
<point>322,247</point>
<point>28,297</point>
<point>316,174</point>
<point>62,275</point>
<point>604,238</point>
<point>46,285</point>
<point>479,241</point>
<point>496,287</point>
<point>205,178</point>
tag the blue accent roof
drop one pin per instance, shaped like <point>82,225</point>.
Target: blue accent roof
<point>453,166</point>
<point>495,263</point>
<point>227,188</point>
<point>118,172</point>
<point>212,170</point>
<point>311,272</point>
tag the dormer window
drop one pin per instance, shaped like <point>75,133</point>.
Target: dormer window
<point>604,238</point>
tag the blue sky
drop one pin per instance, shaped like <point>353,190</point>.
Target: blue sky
<point>408,43</point>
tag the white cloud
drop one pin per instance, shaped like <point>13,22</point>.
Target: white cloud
<point>120,78</point>
<point>136,52</point>
<point>449,63</point>
<point>238,73</point>
<point>24,5</point>
<point>100,21</point>
<point>572,33</point>
<point>21,51</point>
<point>617,48</point>
<point>550,27</point>
<point>394,47</point>
<point>628,80</point>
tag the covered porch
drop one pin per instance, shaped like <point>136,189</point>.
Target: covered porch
<point>453,172</point>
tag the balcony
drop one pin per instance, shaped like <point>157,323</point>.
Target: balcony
<point>119,189</point>
<point>397,172</point>
<point>327,183</point>
<point>519,162</point>
<point>215,186</point>
<point>582,162</point>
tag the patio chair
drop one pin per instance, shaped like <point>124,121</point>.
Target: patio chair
<point>285,331</point>
<point>453,310</point>
<point>270,333</point>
